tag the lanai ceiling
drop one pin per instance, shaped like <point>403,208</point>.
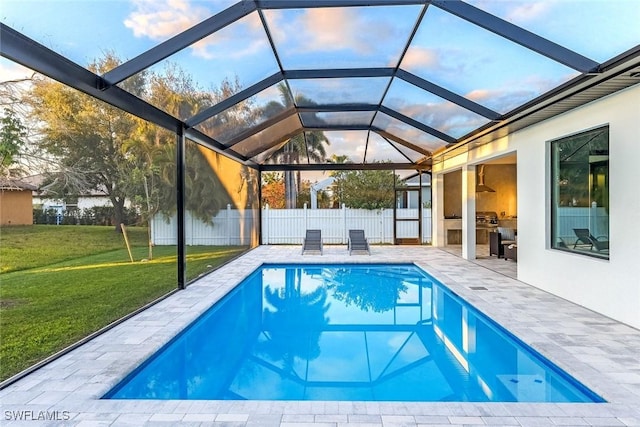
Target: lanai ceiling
<point>393,81</point>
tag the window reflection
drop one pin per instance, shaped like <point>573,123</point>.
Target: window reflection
<point>580,185</point>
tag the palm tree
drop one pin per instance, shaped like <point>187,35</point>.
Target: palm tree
<point>293,321</point>
<point>298,148</point>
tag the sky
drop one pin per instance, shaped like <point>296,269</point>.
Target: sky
<point>445,50</point>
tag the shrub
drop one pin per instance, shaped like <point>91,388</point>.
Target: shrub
<point>97,215</point>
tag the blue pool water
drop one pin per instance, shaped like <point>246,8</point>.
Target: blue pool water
<point>348,332</point>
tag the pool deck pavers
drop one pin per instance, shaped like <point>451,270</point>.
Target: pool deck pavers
<point>601,353</point>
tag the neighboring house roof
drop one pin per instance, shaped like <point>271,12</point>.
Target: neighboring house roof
<point>38,180</point>
<point>15,184</point>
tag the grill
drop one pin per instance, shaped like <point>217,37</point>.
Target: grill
<point>486,219</point>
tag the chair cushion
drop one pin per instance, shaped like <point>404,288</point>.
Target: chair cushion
<point>507,234</point>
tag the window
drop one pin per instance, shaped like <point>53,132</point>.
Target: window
<point>580,193</point>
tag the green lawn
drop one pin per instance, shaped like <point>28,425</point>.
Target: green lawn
<point>60,283</point>
<point>23,247</point>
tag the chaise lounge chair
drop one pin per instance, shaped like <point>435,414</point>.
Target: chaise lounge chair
<point>312,241</point>
<point>357,241</point>
<point>585,238</point>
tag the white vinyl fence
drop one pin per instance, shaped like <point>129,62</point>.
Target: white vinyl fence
<point>595,219</point>
<point>230,227</point>
<point>288,226</point>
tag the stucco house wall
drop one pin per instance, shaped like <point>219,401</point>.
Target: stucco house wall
<point>610,287</point>
<point>15,206</point>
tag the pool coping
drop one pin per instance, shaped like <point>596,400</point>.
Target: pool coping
<point>599,352</point>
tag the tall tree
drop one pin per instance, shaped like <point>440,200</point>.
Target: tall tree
<point>298,148</point>
<point>339,175</point>
<point>12,139</point>
<point>20,155</point>
<point>175,91</point>
<point>86,135</point>
<point>273,190</point>
<point>366,189</point>
<point>294,319</point>
<point>122,155</point>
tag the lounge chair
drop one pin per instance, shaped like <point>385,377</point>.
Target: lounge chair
<point>312,241</point>
<point>584,238</point>
<point>357,241</point>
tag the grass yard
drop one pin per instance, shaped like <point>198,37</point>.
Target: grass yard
<point>61,283</point>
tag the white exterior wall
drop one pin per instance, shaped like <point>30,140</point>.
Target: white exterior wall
<point>610,287</point>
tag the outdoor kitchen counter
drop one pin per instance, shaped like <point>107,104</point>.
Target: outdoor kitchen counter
<point>453,232</point>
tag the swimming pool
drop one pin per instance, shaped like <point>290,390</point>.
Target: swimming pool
<point>367,332</point>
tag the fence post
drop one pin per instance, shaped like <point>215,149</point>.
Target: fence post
<point>344,224</point>
<point>382,225</point>
<point>265,225</point>
<point>304,212</point>
<point>228,224</point>
<point>188,226</point>
<point>593,218</point>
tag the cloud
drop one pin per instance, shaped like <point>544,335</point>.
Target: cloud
<point>420,57</point>
<point>528,11</point>
<point>334,29</point>
<point>512,94</point>
<point>516,11</point>
<point>480,95</point>
<point>503,99</point>
<point>161,19</point>
<point>444,116</point>
<point>214,48</point>
<point>350,143</point>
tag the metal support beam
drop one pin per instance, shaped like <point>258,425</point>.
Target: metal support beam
<point>401,141</point>
<point>180,41</point>
<point>336,108</point>
<point>210,143</point>
<point>25,51</point>
<point>259,224</point>
<point>338,166</point>
<point>234,99</point>
<point>418,125</point>
<point>392,144</point>
<point>279,142</point>
<point>180,206</point>
<point>337,127</point>
<point>338,73</point>
<point>518,35</point>
<point>306,4</point>
<point>448,95</point>
<point>22,50</point>
<point>281,116</point>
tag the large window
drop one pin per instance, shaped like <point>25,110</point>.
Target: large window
<point>580,193</point>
